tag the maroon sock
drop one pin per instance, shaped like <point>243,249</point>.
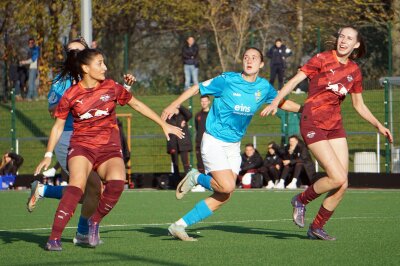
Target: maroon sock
<point>112,192</point>
<point>65,210</point>
<point>321,218</point>
<point>308,195</point>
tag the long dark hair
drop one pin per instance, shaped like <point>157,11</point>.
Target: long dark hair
<point>357,52</point>
<point>76,59</point>
<point>71,57</point>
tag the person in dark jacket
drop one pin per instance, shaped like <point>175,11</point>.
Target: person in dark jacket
<point>182,147</point>
<point>278,54</point>
<point>190,59</point>
<point>200,125</point>
<point>272,166</point>
<point>251,161</point>
<point>297,160</point>
<point>10,163</point>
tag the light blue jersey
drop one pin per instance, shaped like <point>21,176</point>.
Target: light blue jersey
<point>56,92</point>
<point>235,103</point>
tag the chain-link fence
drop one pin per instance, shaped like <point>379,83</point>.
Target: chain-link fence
<point>25,126</point>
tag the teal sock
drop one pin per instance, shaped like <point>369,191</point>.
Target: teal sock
<point>205,181</point>
<point>54,192</point>
<point>83,227</point>
<point>200,212</point>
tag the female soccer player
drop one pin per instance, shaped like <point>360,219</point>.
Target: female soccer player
<point>95,142</point>
<point>93,189</point>
<point>237,98</point>
<point>332,75</point>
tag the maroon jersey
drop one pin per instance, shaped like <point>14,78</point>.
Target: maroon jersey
<point>93,111</point>
<point>330,81</point>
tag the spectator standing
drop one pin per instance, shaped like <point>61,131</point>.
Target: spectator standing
<point>272,165</point>
<point>177,146</point>
<point>190,59</point>
<point>32,61</point>
<point>278,54</point>
<point>200,125</point>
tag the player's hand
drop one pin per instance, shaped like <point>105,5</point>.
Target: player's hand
<point>129,79</point>
<point>169,112</point>
<point>271,108</point>
<point>170,129</point>
<point>386,132</point>
<point>43,164</point>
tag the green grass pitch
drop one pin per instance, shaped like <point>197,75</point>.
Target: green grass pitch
<point>254,228</point>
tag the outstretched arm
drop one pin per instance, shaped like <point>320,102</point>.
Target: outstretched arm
<point>289,86</point>
<point>147,112</point>
<point>170,110</point>
<point>364,112</point>
<point>55,134</point>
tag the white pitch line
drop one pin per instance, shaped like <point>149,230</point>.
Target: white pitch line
<point>218,222</point>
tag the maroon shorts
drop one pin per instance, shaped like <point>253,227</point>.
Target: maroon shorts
<point>312,134</point>
<point>96,156</point>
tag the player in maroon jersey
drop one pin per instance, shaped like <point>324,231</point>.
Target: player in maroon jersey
<point>95,143</point>
<point>332,75</point>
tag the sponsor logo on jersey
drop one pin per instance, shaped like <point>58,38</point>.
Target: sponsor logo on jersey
<point>237,94</point>
<point>310,134</point>
<point>333,71</point>
<point>242,108</point>
<point>105,97</point>
<point>93,113</point>
<point>338,89</point>
<point>79,101</point>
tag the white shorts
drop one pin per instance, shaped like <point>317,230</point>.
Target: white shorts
<point>220,155</point>
<point>61,149</point>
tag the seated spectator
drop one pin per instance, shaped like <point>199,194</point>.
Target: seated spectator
<point>251,161</point>
<point>10,163</point>
<point>297,160</point>
<point>272,166</point>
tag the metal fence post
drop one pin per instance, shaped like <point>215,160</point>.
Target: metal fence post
<point>387,147</point>
<point>191,127</point>
<point>13,130</point>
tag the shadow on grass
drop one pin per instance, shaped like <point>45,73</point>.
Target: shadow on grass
<point>9,237</point>
<point>274,233</point>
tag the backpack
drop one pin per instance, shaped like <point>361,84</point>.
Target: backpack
<point>256,180</point>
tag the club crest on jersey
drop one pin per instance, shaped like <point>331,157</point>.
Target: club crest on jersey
<point>338,89</point>
<point>349,78</point>
<point>105,97</point>
<point>257,95</point>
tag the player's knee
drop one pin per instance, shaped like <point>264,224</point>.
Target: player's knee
<point>340,181</point>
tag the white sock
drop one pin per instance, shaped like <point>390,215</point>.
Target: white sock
<point>181,222</point>
<point>294,181</point>
<point>41,191</point>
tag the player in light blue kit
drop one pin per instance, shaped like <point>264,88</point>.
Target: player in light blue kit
<point>93,189</point>
<point>237,97</point>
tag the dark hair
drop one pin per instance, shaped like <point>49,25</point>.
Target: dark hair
<point>357,52</point>
<point>254,48</point>
<point>249,145</point>
<point>205,96</point>
<point>73,65</point>
<point>278,40</point>
<point>71,57</point>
